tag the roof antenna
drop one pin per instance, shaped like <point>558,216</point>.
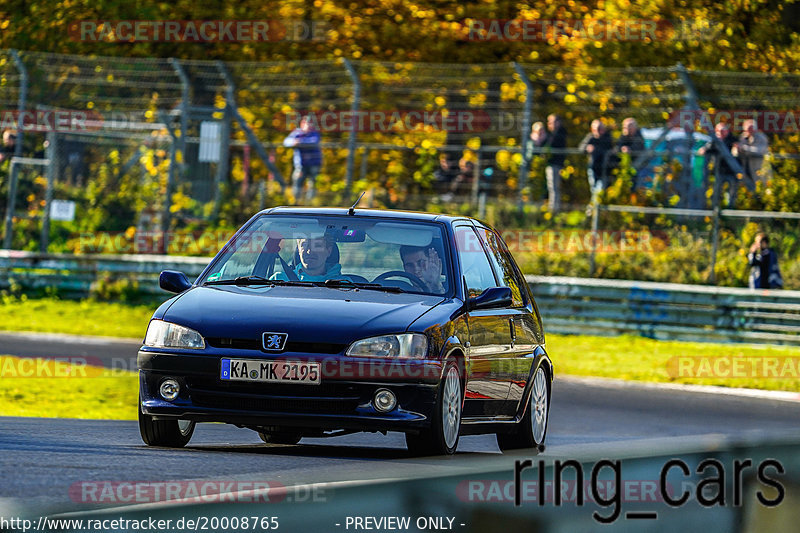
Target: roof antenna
<point>352,210</point>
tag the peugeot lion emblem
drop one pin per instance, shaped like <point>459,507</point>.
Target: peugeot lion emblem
<point>274,342</point>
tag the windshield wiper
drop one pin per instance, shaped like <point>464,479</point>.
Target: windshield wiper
<point>241,280</point>
<point>257,280</point>
<point>332,283</point>
<point>291,283</point>
<point>346,283</point>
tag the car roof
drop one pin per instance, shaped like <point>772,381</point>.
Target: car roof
<point>374,213</point>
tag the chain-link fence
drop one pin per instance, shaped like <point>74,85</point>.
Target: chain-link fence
<point>131,146</point>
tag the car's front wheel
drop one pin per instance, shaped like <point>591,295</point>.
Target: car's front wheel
<point>530,432</point>
<point>167,433</point>
<point>441,438</point>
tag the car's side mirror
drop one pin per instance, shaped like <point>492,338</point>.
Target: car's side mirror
<point>491,298</point>
<point>174,281</point>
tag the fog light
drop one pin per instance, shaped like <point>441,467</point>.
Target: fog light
<point>384,401</point>
<point>169,389</point>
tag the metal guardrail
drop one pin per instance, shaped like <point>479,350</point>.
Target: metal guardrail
<point>73,275</point>
<point>568,305</point>
<point>667,310</point>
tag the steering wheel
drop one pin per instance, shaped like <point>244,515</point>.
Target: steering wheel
<point>410,277</point>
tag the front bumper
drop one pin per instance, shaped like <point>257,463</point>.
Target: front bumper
<point>343,400</point>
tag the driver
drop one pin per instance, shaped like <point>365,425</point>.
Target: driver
<point>315,264</point>
<point>424,262</point>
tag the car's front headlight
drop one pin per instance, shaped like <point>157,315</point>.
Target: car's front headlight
<point>407,345</point>
<point>161,334</point>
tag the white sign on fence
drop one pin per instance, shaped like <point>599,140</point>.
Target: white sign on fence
<point>210,142</point>
<point>63,210</point>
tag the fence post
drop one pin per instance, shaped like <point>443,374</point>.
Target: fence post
<point>230,101</point>
<point>712,275</point>
<point>351,143</point>
<point>595,227</point>
<point>692,99</point>
<point>52,149</point>
<point>176,65</point>
<point>224,154</point>
<point>166,211</point>
<point>364,162</point>
<point>525,136</point>
<point>476,183</point>
<point>13,169</point>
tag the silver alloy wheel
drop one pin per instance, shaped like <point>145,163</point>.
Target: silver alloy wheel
<point>451,407</point>
<point>185,426</point>
<point>539,406</point>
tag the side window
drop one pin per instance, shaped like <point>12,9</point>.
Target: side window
<point>475,265</point>
<point>242,262</point>
<point>502,262</point>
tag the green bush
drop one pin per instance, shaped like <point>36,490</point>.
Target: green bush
<point>109,289</point>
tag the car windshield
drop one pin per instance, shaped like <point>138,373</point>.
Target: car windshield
<point>337,252</point>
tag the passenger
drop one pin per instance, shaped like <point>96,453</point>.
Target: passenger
<point>424,263</point>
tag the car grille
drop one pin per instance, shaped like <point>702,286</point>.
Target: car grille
<point>291,346</point>
<point>276,397</point>
<point>215,385</point>
<point>278,405</point>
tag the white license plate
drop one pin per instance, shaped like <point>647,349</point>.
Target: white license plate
<point>270,371</point>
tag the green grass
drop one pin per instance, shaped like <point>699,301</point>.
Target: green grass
<point>640,359</point>
<point>78,392</point>
<point>85,317</point>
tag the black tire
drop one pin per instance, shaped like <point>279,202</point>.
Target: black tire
<point>441,438</point>
<point>280,437</point>
<point>166,433</point>
<point>531,431</point>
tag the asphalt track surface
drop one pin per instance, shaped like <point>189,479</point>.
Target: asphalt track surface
<point>40,459</point>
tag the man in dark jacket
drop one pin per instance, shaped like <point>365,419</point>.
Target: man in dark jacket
<point>631,140</point>
<point>9,145</point>
<point>556,140</point>
<point>599,145</point>
<point>763,261</point>
<point>726,173</point>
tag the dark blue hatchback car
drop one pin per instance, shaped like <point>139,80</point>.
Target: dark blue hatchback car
<point>321,322</point>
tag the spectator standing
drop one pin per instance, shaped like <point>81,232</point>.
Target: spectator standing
<point>599,145</point>
<point>538,134</point>
<point>307,158</point>
<point>443,175</point>
<point>763,261</point>
<point>9,145</point>
<point>726,173</point>
<point>753,146</point>
<point>631,140</point>
<point>462,183</point>
<point>555,140</point>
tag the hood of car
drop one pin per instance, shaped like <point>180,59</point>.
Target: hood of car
<point>306,314</point>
